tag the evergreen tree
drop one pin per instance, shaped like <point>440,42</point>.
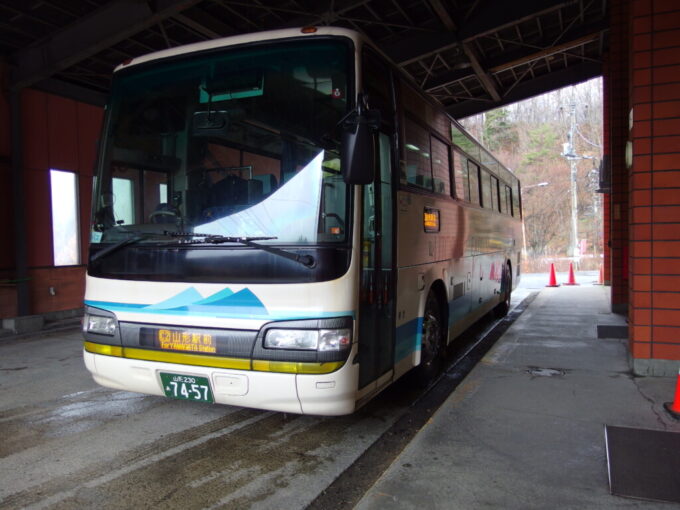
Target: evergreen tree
<point>499,131</point>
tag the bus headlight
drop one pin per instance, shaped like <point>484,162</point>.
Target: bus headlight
<point>99,325</point>
<point>334,339</point>
<point>308,339</point>
<point>291,339</point>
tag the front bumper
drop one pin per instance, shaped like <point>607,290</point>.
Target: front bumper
<point>331,393</point>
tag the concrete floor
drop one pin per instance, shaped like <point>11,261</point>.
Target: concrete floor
<point>525,430</point>
<point>68,443</point>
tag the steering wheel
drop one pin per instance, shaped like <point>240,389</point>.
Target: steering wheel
<point>155,216</point>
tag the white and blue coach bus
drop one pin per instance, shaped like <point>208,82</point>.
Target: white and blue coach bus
<point>282,221</point>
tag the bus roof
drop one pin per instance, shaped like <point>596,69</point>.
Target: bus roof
<point>286,33</point>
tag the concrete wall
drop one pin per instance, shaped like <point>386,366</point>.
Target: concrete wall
<point>57,133</point>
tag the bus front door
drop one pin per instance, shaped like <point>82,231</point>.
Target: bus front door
<point>377,299</point>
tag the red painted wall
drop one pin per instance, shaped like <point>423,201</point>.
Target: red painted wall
<point>655,180</point>
<point>57,133</point>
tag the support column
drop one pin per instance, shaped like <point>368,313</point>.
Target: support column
<point>20,251</point>
<point>618,94</point>
<point>655,187</point>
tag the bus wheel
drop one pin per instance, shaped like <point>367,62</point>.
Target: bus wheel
<point>503,307</point>
<point>432,345</point>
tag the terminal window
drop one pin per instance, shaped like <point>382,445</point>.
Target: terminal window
<point>65,225</point>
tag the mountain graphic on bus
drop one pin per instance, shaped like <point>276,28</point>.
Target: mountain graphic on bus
<point>190,300</point>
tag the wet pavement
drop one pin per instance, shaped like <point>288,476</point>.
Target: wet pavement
<point>68,443</point>
<point>522,430</point>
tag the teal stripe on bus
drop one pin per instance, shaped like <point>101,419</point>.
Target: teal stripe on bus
<point>408,339</point>
<point>231,312</point>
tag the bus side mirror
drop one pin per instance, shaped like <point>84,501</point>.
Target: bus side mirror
<point>357,154</point>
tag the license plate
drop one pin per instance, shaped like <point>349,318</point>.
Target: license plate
<point>187,387</point>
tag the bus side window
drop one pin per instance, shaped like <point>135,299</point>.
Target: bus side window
<point>418,166</point>
<point>473,173</point>
<point>440,166</point>
<point>494,194</point>
<point>503,206</point>
<point>516,204</point>
<point>508,200</point>
<point>462,182</point>
<point>486,190</point>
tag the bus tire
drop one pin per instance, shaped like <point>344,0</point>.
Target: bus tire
<point>432,342</point>
<point>503,307</point>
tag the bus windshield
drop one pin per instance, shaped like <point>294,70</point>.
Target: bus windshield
<point>237,142</point>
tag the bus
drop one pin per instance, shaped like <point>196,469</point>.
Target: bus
<point>283,221</point>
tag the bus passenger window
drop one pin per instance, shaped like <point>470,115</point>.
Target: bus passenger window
<point>462,183</point>
<point>473,174</point>
<point>440,167</point>
<point>508,200</point>
<point>494,194</point>
<point>486,190</point>
<point>515,201</point>
<point>418,166</point>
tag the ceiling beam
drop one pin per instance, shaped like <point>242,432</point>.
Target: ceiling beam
<point>443,15</point>
<point>484,78</point>
<point>320,14</point>
<point>546,83</point>
<point>447,78</point>
<point>546,52</point>
<point>524,55</point>
<point>197,27</point>
<point>493,15</point>
<point>409,50</point>
<point>112,23</point>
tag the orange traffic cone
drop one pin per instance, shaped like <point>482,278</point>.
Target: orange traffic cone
<point>600,280</point>
<point>673,408</point>
<point>553,280</point>
<point>571,280</point>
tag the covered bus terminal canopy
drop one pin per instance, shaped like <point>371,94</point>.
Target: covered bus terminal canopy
<point>523,430</point>
<point>471,55</point>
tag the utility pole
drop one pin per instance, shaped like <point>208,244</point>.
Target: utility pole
<point>570,154</point>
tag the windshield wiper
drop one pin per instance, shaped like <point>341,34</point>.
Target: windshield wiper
<point>305,260</point>
<point>120,244</point>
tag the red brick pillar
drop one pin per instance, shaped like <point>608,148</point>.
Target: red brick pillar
<point>618,107</point>
<point>655,187</point>
<point>606,197</point>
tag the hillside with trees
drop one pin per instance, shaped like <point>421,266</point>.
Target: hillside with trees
<point>529,137</point>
